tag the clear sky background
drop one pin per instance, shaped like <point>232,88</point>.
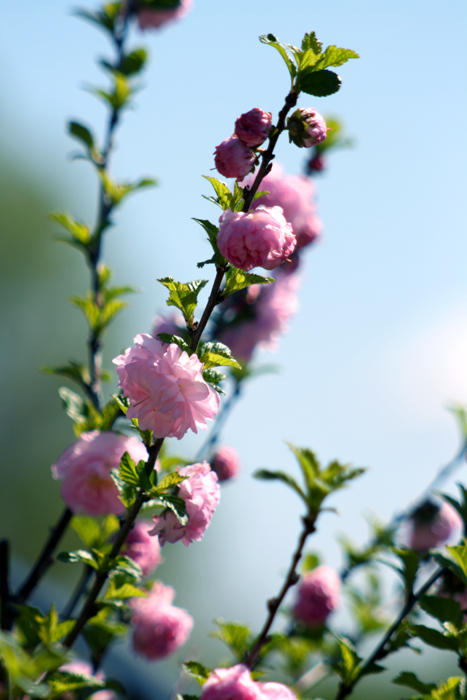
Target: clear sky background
<point>379,346</point>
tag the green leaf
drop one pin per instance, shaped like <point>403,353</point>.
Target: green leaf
<point>79,555</point>
<point>211,230</point>
<point>79,232</point>
<point>73,370</point>
<point>348,664</point>
<point>87,529</point>
<point>442,608</point>
<point>410,680</point>
<point>310,43</point>
<point>214,377</point>
<point>123,592</point>
<point>318,83</point>
<point>410,562</point>
<point>171,338</point>
<point>176,505</point>
<point>433,637</point>
<point>127,470</point>
<point>133,62</point>
<point>334,56</point>
<point>214,354</point>
<point>271,40</point>
<point>82,133</point>
<point>223,194</point>
<point>197,670</point>
<point>183,296</point>
<point>236,279</point>
<point>237,637</point>
<point>267,475</point>
<point>123,565</point>
<point>76,408</point>
<point>170,480</point>
<point>450,690</point>
<point>310,561</point>
<point>459,555</point>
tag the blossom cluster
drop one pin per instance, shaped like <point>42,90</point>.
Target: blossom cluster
<point>318,595</point>
<point>236,683</point>
<point>235,156</point>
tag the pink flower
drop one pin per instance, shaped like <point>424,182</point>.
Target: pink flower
<point>142,548</point>
<point>159,628</point>
<point>225,463</point>
<point>270,308</point>
<point>318,595</point>
<point>306,127</point>
<point>155,18</point>
<point>233,683</point>
<point>258,238</point>
<point>165,387</point>
<point>295,194</point>
<point>433,525</point>
<point>253,127</point>
<point>276,691</point>
<point>84,468</point>
<point>172,323</point>
<point>83,668</point>
<point>233,158</point>
<point>201,493</point>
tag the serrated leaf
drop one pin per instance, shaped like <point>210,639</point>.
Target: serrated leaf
<point>318,83</point>
<point>214,377</point>
<point>123,592</point>
<point>267,475</point>
<point>433,637</point>
<point>171,338</point>
<point>127,470</point>
<point>126,566</point>
<point>211,230</point>
<point>223,194</point>
<point>215,354</point>
<point>170,480</point>
<point>271,40</point>
<point>310,42</point>
<point>197,670</point>
<point>183,295</point>
<point>80,232</point>
<point>410,680</point>
<point>79,555</point>
<point>334,56</point>
<point>236,279</point>
<point>176,505</point>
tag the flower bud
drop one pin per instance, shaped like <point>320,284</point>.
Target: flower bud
<point>261,237</point>
<point>316,164</point>
<point>233,158</point>
<point>155,17</point>
<point>144,549</point>
<point>318,595</point>
<point>306,127</point>
<point>433,524</point>
<point>253,127</point>
<point>225,463</point>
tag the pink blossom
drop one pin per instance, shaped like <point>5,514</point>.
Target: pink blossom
<point>295,194</point>
<point>159,628</point>
<point>276,691</point>
<point>83,668</point>
<point>316,164</point>
<point>201,493</point>
<point>225,463</point>
<point>261,237</point>
<point>165,387</point>
<point>432,525</point>
<point>84,469</point>
<point>233,158</point>
<point>306,127</point>
<point>270,306</point>
<point>253,127</point>
<point>155,18</point>
<point>318,595</point>
<point>142,548</point>
<point>233,683</point>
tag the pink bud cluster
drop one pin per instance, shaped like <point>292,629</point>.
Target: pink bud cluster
<point>306,127</point>
<point>236,683</point>
<point>165,386</point>
<point>432,525</point>
<point>84,470</point>
<point>235,156</point>
<point>225,463</point>
<point>261,238</point>
<point>318,595</point>
<point>201,493</point>
<point>159,628</point>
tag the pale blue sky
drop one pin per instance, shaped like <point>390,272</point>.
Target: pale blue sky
<point>379,346</point>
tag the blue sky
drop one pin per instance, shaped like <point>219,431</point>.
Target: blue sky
<point>379,346</point>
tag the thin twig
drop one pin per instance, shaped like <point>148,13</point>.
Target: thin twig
<point>382,650</point>
<point>274,604</point>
